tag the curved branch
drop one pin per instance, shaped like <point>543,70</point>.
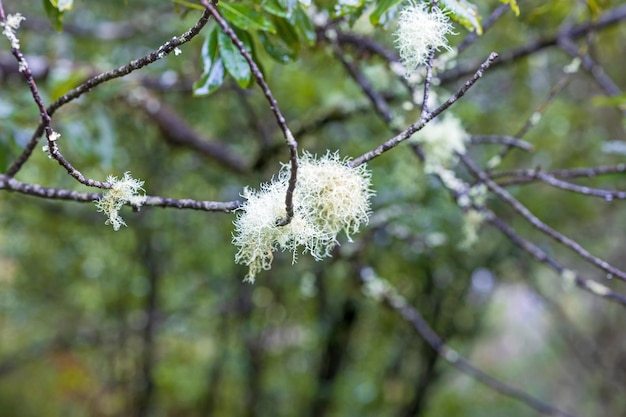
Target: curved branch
<point>392,299</point>
<point>95,81</point>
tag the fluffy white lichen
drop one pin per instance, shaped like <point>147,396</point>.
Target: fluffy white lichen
<point>419,32</point>
<point>330,197</point>
<point>11,24</point>
<point>123,191</point>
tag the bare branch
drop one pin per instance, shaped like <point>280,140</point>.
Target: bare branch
<point>95,81</point>
<point>528,175</point>
<point>393,300</point>
<point>280,119</point>
<point>535,222</point>
<point>377,100</point>
<point>396,140</point>
<point>540,255</point>
<point>471,38</point>
<point>501,140</point>
<point>11,184</point>
<point>608,19</point>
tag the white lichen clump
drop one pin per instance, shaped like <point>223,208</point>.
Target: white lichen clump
<point>123,191</point>
<point>330,196</point>
<point>12,24</point>
<point>419,32</point>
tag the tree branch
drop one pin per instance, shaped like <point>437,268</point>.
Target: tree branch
<point>95,81</point>
<point>396,140</point>
<point>535,222</point>
<point>386,293</point>
<point>11,184</point>
<point>280,119</point>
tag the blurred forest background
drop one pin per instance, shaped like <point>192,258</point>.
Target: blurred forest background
<point>154,320</point>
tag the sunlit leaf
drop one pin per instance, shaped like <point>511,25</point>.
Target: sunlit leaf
<point>513,5</point>
<point>465,13</point>
<point>276,8</point>
<point>234,62</point>
<point>352,9</point>
<point>613,101</point>
<point>380,14</point>
<point>55,16</point>
<point>246,17</point>
<point>213,71</point>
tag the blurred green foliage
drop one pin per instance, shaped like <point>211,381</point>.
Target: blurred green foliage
<point>154,320</point>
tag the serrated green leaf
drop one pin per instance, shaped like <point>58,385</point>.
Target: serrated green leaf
<point>55,16</point>
<point>246,17</point>
<point>213,71</point>
<point>304,26</point>
<point>284,47</point>
<point>380,13</point>
<point>465,13</point>
<point>234,62</point>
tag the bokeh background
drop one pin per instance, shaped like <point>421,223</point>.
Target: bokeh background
<point>154,320</point>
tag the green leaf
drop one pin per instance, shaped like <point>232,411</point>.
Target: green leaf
<point>465,13</point>
<point>381,13</point>
<point>213,73</point>
<point>513,5</point>
<point>352,9</point>
<point>54,14</point>
<point>284,47</point>
<point>304,26</point>
<point>618,101</point>
<point>246,17</point>
<point>234,62</point>
<point>276,8</point>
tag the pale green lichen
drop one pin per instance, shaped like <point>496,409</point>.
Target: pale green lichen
<point>420,31</point>
<point>123,191</point>
<point>330,197</point>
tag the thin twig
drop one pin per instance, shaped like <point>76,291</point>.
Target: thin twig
<point>377,100</point>
<point>608,19</point>
<point>596,71</point>
<point>280,119</point>
<point>427,83</point>
<point>46,120</point>
<point>95,81</point>
<point>502,140</point>
<point>540,255</point>
<point>535,222</point>
<point>392,299</point>
<point>527,175</point>
<point>396,140</point>
<point>607,195</point>
<point>471,38</point>
<point>11,184</point>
